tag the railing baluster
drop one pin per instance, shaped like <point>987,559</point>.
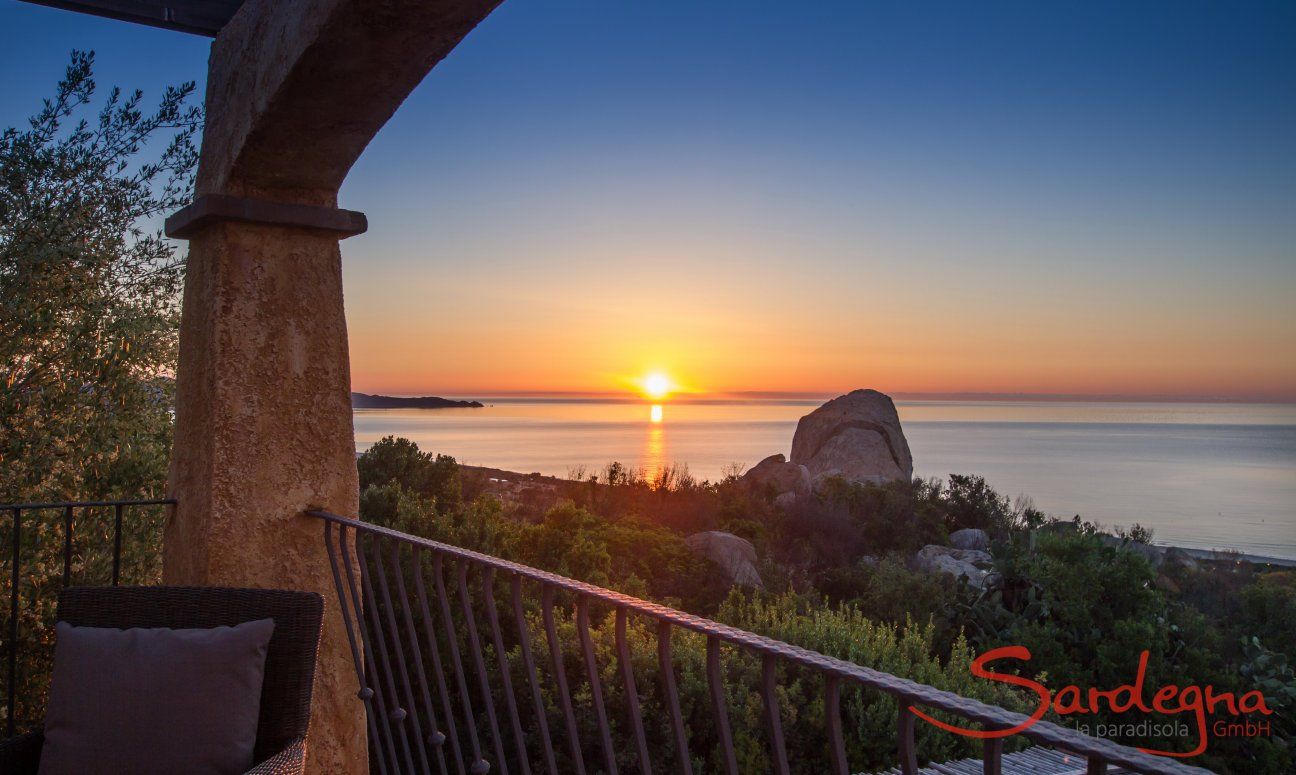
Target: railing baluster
<point>434,649</point>
<point>67,547</point>
<point>769,693</point>
<point>365,693</point>
<point>1100,754</point>
<point>374,696</point>
<point>479,661</point>
<point>117,539</point>
<point>832,721</point>
<point>375,554</point>
<point>596,684</point>
<point>905,737</point>
<point>720,705</point>
<point>632,695</point>
<point>435,737</point>
<point>15,578</point>
<point>671,691</point>
<point>506,677</point>
<point>479,766</point>
<point>560,676</point>
<point>396,714</point>
<point>992,756</point>
<point>524,642</point>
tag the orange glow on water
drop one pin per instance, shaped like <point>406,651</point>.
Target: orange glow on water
<point>655,449</point>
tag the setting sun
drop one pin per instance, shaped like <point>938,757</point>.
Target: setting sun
<point>656,385</point>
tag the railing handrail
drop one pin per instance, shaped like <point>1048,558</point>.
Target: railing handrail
<point>9,507</point>
<point>906,691</point>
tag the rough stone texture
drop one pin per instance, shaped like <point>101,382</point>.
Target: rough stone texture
<point>971,564</point>
<point>736,556</point>
<point>785,500</point>
<point>970,538</point>
<point>775,474</point>
<point>263,431</point>
<point>294,95</point>
<point>263,415</point>
<point>856,436</point>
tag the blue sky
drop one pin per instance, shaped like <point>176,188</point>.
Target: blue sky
<point>1035,197</point>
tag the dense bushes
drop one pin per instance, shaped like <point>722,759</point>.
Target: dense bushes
<point>635,555</point>
<point>908,649</point>
<point>868,717</point>
<point>838,570</point>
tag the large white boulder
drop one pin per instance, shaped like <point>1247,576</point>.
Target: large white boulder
<point>857,437</point>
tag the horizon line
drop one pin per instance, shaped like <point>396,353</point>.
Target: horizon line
<point>899,395</point>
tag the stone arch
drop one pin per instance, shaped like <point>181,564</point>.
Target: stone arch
<point>294,98</point>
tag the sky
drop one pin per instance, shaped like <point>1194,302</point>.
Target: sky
<point>1083,198</point>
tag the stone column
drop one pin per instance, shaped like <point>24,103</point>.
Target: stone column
<point>295,91</point>
<point>264,432</point>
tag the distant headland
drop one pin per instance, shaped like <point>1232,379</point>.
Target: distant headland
<point>367,401</point>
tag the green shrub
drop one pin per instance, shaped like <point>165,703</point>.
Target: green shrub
<point>392,460</point>
<point>1268,611</point>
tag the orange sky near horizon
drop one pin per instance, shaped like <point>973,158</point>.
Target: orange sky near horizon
<point>1068,199</point>
<point>725,320</point>
<point>765,211</point>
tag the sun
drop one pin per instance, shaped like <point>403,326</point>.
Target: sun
<point>657,386</point>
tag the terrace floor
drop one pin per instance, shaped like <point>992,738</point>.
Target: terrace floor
<point>1032,761</point>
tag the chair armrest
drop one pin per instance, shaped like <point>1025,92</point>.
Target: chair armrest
<point>21,755</point>
<point>290,761</point>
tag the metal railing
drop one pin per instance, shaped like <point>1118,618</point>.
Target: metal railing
<point>423,646</point>
<point>21,538</point>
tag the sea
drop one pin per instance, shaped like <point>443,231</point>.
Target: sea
<point>1200,475</point>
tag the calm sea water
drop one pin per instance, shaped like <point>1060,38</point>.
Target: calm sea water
<point>1210,476</point>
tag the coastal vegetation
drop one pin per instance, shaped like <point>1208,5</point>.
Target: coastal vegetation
<point>840,576</point>
<point>88,342</point>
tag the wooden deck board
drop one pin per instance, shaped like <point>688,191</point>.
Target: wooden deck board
<point>1032,761</point>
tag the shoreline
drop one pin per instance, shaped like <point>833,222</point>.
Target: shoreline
<point>1228,555</point>
<point>1203,555</point>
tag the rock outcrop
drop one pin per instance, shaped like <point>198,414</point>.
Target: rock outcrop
<point>972,564</point>
<point>857,437</point>
<point>775,474</point>
<point>970,538</point>
<point>735,556</point>
<point>1155,555</point>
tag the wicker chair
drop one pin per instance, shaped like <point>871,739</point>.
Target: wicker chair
<point>289,667</point>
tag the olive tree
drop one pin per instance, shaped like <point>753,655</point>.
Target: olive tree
<point>89,321</point>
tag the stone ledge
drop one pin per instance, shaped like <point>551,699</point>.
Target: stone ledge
<point>212,208</point>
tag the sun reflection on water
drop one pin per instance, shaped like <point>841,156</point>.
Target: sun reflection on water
<point>654,451</point>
